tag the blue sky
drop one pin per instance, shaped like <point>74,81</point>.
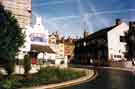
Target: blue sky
<point>70,17</point>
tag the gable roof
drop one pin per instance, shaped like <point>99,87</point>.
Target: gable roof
<point>101,32</point>
<point>40,48</point>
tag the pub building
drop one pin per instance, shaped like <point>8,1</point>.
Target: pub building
<point>107,44</point>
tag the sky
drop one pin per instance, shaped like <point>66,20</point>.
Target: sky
<point>71,17</point>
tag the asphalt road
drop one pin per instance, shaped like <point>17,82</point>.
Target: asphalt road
<point>109,79</point>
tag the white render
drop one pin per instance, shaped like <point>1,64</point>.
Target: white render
<point>115,47</point>
<point>27,45</point>
<point>60,51</point>
<point>58,48</point>
<point>39,31</point>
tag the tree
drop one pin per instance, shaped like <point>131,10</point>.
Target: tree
<point>9,66</point>
<point>11,38</point>
<point>130,40</point>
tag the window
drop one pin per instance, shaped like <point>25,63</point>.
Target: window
<point>62,62</point>
<point>122,39</point>
<point>84,43</point>
<point>117,56</point>
<point>51,61</point>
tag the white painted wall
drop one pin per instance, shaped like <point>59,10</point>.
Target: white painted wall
<point>59,57</point>
<point>27,44</point>
<point>60,51</point>
<point>39,31</point>
<point>115,47</point>
<point>51,56</point>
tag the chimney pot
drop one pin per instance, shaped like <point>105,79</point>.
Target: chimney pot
<point>132,24</point>
<point>118,21</point>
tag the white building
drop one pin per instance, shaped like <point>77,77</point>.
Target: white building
<point>60,51</point>
<point>107,44</point>
<point>37,42</point>
<point>36,39</point>
<point>58,48</point>
<point>39,35</point>
<point>116,42</point>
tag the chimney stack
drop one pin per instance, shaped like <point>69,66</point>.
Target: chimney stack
<point>118,22</point>
<point>132,24</point>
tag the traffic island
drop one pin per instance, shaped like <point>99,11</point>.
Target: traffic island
<point>89,75</point>
<point>46,78</point>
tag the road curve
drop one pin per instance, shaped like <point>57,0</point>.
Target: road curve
<point>109,78</point>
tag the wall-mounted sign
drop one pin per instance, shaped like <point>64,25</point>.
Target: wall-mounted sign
<point>39,38</point>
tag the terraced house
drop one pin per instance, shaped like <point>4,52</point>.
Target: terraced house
<point>105,45</point>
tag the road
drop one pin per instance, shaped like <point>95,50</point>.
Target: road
<point>109,79</point>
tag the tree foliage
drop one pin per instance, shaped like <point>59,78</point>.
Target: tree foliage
<point>11,37</point>
<point>130,40</point>
<point>9,66</point>
<point>27,64</point>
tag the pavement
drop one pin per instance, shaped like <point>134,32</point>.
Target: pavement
<point>127,66</point>
<point>90,75</point>
<point>132,69</point>
<point>20,70</point>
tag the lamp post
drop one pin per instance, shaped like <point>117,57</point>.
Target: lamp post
<point>132,48</point>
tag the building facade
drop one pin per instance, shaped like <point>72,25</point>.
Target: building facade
<point>21,9</point>
<point>105,45</point>
<point>57,46</point>
<point>69,45</point>
<point>69,51</point>
<point>117,42</point>
<point>39,35</point>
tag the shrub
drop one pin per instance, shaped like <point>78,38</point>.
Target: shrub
<point>1,75</point>
<point>9,84</point>
<point>54,74</point>
<point>9,66</point>
<point>27,64</point>
<point>47,75</point>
